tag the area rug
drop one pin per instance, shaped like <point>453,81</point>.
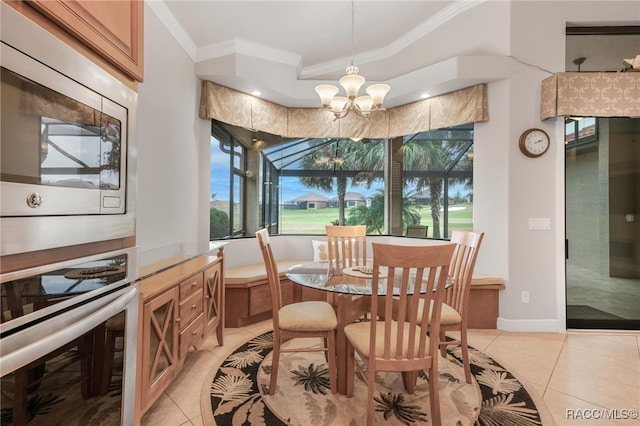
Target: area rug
<point>236,392</point>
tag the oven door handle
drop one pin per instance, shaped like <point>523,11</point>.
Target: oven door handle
<point>35,342</point>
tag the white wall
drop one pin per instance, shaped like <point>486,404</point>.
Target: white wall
<point>508,187</point>
<point>173,147</point>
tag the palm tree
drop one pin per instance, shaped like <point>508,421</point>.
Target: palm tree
<point>373,216</point>
<point>436,155</point>
<point>420,154</point>
<point>337,155</point>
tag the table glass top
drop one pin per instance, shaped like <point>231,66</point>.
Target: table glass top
<point>356,280</point>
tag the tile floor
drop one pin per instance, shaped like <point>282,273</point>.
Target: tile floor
<point>575,373</point>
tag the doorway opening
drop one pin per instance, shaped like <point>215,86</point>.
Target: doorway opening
<point>602,182</point>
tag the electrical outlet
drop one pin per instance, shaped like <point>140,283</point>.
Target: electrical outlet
<point>525,297</point>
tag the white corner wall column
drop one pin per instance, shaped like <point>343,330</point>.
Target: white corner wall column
<point>173,149</point>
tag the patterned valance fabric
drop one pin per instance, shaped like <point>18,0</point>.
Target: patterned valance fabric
<point>239,109</point>
<point>591,94</point>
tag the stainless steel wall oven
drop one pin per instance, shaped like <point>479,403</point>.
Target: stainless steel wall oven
<point>53,334</point>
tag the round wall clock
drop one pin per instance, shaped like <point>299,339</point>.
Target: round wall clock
<point>534,142</point>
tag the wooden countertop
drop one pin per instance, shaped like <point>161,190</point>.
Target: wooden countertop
<point>157,277</point>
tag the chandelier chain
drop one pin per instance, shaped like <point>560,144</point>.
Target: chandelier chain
<point>353,31</point>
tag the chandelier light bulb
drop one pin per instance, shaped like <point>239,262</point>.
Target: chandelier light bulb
<point>339,104</point>
<point>377,93</point>
<point>326,93</point>
<point>364,104</point>
<point>351,84</point>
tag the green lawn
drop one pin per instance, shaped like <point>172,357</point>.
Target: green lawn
<point>314,221</point>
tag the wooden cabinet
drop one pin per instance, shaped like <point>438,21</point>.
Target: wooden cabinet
<point>160,363</point>
<point>250,301</point>
<point>181,306</point>
<point>191,318</point>
<point>113,29</point>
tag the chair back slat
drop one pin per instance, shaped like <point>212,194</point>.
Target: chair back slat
<point>463,263</point>
<point>405,266</point>
<point>272,272</point>
<point>347,245</point>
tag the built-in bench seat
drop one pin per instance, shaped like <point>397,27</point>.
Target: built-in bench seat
<point>255,272</point>
<point>248,298</point>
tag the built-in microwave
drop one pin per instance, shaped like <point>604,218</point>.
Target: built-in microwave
<point>63,146</point>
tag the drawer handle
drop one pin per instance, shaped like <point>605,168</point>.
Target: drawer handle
<point>193,333</point>
<point>193,307</point>
<point>193,284</point>
<point>177,319</point>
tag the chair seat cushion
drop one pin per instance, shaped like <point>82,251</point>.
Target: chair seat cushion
<point>448,315</point>
<point>307,316</point>
<point>359,333</point>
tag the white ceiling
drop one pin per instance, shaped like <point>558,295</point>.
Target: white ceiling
<point>285,48</point>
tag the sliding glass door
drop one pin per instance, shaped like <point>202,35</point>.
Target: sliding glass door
<point>602,160</point>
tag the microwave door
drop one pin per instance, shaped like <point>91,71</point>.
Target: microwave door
<point>60,155</point>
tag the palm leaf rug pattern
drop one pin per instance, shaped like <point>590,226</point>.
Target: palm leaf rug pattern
<point>240,387</point>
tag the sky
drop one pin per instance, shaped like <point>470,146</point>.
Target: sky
<point>290,188</point>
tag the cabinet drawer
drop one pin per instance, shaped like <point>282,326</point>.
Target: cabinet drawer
<point>192,335</point>
<point>190,308</point>
<point>190,286</point>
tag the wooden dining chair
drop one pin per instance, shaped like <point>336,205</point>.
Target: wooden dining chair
<point>302,319</point>
<point>398,341</point>
<point>347,245</point>
<point>455,311</point>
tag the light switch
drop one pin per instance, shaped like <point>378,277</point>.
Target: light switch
<point>539,223</point>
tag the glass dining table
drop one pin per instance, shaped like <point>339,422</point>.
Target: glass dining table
<point>347,290</point>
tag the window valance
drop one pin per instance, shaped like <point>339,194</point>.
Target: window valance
<point>591,94</point>
<point>239,109</point>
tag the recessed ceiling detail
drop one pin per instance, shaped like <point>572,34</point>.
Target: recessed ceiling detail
<point>285,49</point>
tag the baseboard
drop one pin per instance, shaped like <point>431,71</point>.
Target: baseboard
<point>536,325</point>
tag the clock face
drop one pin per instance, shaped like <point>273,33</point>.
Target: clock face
<point>534,142</point>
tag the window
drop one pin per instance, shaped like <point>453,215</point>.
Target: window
<point>438,180</point>
<point>228,173</point>
<point>306,184</point>
<point>580,132</point>
<point>326,181</point>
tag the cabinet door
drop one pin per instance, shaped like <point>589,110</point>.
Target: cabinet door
<point>160,362</point>
<point>113,29</point>
<point>214,301</point>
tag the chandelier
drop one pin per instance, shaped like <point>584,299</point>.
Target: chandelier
<point>341,106</point>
